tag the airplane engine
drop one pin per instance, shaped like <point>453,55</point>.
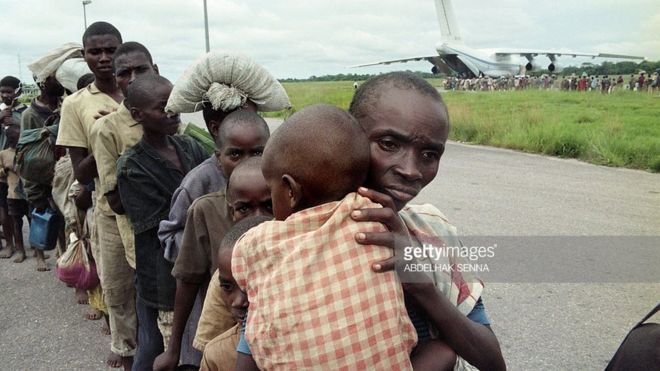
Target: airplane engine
<point>533,66</point>
<point>555,67</point>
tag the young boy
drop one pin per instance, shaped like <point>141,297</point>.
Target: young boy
<point>147,175</point>
<point>312,302</point>
<point>17,206</point>
<point>242,136</point>
<point>247,195</point>
<point>11,111</point>
<point>220,353</point>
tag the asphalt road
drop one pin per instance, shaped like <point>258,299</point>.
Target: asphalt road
<point>483,191</point>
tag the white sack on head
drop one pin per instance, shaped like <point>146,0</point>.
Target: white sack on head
<point>49,63</point>
<point>226,81</point>
<point>70,72</point>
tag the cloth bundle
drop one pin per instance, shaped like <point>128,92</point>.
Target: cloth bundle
<point>226,81</point>
<point>51,62</point>
<point>70,71</point>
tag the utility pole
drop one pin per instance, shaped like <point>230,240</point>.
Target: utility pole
<point>206,27</point>
<point>20,72</point>
<point>84,4</point>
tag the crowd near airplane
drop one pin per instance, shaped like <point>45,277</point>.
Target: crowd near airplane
<point>456,58</point>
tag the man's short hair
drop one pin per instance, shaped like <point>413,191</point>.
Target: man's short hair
<point>10,81</point>
<point>101,28</point>
<point>132,47</point>
<point>368,93</point>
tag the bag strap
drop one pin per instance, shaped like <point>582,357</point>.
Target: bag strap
<point>649,315</point>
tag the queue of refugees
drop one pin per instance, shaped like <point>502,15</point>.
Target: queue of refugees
<point>605,84</point>
<point>235,249</point>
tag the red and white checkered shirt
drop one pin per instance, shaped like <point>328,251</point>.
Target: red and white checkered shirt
<point>314,301</point>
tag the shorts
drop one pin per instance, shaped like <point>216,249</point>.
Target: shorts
<point>17,207</point>
<point>4,188</point>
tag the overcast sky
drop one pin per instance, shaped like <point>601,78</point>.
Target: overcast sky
<point>314,37</point>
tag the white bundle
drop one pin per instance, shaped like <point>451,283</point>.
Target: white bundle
<point>49,63</point>
<point>70,71</point>
<point>226,81</point>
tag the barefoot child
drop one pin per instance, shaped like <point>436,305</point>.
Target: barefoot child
<point>17,206</point>
<point>312,302</point>
<point>220,353</point>
<point>147,175</point>
<point>11,111</point>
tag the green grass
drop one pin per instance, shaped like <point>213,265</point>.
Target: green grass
<point>621,129</point>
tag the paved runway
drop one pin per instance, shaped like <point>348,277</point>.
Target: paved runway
<point>483,191</point>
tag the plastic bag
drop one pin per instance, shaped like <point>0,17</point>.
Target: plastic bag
<point>75,267</point>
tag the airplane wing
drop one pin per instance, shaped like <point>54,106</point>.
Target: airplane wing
<point>413,59</point>
<point>551,54</point>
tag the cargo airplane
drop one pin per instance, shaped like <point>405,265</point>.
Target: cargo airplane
<point>456,58</point>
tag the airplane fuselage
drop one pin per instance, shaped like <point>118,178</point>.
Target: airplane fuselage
<point>468,62</point>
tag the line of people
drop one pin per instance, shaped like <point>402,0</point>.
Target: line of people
<point>604,84</point>
<point>264,252</point>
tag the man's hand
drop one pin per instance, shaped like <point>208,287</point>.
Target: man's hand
<point>102,113</point>
<point>396,237</point>
<point>166,361</point>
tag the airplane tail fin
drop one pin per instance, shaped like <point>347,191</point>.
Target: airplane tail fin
<point>448,26</point>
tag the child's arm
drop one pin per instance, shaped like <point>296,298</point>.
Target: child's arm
<point>245,361</point>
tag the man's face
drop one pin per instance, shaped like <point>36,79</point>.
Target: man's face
<point>231,294</point>
<point>8,94</point>
<point>129,67</point>
<point>248,195</point>
<point>240,141</point>
<point>153,116</point>
<point>407,132</point>
<point>52,87</point>
<point>99,50</point>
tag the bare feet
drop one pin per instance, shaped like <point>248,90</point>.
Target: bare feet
<point>114,361</point>
<point>81,297</point>
<point>20,257</point>
<point>94,314</point>
<point>7,252</point>
<point>42,266</point>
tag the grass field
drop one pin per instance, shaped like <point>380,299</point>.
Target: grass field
<point>621,129</point>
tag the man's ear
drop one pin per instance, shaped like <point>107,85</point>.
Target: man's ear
<point>294,190</point>
<point>213,126</point>
<point>156,69</point>
<point>136,114</point>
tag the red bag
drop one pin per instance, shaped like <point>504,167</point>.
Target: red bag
<point>76,267</point>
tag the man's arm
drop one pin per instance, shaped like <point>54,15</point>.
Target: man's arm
<point>84,166</point>
<point>474,342</point>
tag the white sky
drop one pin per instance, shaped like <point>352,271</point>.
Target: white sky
<point>303,38</point>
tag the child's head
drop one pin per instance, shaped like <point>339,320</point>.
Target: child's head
<point>147,97</point>
<point>100,41</point>
<point>319,155</point>
<point>85,80</point>
<point>242,134</point>
<point>13,132</point>
<point>407,124</point>
<point>247,191</point>
<point>230,293</point>
<point>9,89</point>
